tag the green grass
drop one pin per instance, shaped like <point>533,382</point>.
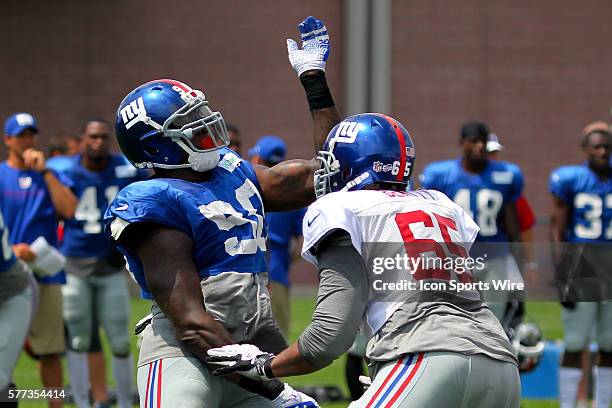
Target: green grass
<point>548,316</point>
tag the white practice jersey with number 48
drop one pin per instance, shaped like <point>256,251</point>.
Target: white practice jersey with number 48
<point>375,216</point>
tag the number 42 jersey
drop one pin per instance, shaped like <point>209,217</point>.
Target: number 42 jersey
<point>590,201</point>
<point>223,216</point>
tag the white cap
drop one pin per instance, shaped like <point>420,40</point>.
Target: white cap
<point>493,144</point>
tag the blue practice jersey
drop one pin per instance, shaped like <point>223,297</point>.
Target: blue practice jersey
<point>282,226</point>
<point>83,235</point>
<point>590,201</point>
<point>7,258</point>
<point>27,209</point>
<point>481,195</point>
<point>223,216</point>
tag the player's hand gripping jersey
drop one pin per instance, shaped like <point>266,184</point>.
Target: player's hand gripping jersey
<point>590,201</point>
<point>407,321</point>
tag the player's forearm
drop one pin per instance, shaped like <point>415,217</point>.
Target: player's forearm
<point>174,282</point>
<point>181,300</point>
<point>291,362</point>
<point>325,115</point>
<point>288,185</point>
<point>63,199</point>
<point>558,220</point>
<point>340,303</point>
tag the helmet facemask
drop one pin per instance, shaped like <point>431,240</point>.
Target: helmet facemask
<point>199,131</point>
<point>330,167</point>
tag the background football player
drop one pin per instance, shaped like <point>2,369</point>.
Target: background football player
<point>582,217</point>
<point>194,235</point>
<point>448,352</point>
<point>38,198</point>
<point>95,279</point>
<point>487,190</point>
<point>16,305</point>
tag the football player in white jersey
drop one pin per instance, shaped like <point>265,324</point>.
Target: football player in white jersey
<point>428,347</point>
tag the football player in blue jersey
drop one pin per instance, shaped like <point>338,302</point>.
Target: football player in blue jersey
<point>33,198</point>
<point>487,190</point>
<point>94,268</point>
<point>581,224</point>
<point>15,308</point>
<point>194,235</point>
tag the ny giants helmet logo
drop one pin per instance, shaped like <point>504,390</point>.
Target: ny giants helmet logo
<point>347,132</point>
<point>133,113</point>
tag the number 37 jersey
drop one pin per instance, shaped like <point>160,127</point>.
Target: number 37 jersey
<point>590,202</point>
<point>223,216</point>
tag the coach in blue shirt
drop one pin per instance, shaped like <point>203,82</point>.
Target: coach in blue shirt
<point>283,228</point>
<point>32,199</point>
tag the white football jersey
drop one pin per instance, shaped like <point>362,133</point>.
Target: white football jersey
<point>372,217</point>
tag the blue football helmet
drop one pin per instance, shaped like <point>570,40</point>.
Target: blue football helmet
<point>166,124</point>
<point>364,149</point>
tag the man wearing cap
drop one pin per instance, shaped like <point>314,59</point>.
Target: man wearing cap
<point>33,199</point>
<point>283,229</point>
<point>488,191</point>
<point>581,229</point>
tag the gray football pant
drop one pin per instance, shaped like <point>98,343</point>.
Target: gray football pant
<point>185,382</point>
<point>15,314</point>
<point>578,324</point>
<point>444,380</point>
<point>112,306</point>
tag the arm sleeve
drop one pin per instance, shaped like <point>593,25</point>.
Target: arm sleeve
<point>341,302</point>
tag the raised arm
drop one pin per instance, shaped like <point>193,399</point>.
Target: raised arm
<point>309,63</point>
<point>290,185</point>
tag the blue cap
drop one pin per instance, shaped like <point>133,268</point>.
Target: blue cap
<point>270,148</point>
<point>18,122</point>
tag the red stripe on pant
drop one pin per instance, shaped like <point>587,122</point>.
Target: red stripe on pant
<point>148,384</point>
<point>159,383</point>
<point>406,382</point>
<point>379,390</point>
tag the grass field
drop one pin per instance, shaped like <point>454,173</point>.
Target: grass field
<point>546,314</point>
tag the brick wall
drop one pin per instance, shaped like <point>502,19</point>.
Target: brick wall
<point>536,72</point>
<point>68,60</point>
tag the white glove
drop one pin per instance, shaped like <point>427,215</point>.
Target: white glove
<point>315,47</point>
<point>244,359</point>
<point>291,398</point>
<point>365,381</point>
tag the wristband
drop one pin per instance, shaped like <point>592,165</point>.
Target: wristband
<point>44,171</point>
<point>317,92</point>
<point>268,368</point>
